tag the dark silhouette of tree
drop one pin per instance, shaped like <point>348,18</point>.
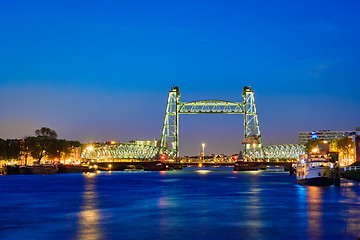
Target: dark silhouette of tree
<point>9,149</point>
<point>344,145</point>
<point>2,149</point>
<point>13,149</point>
<point>40,145</point>
<point>75,144</point>
<point>33,147</point>
<point>311,144</point>
<point>59,148</point>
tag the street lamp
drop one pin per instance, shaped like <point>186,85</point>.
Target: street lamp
<point>203,151</point>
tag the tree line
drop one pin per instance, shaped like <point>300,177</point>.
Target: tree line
<point>9,149</point>
<point>44,144</point>
<point>342,145</point>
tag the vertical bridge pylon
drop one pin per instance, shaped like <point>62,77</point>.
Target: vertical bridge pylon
<point>170,132</point>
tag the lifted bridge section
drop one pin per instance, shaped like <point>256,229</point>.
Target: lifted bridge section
<point>211,106</point>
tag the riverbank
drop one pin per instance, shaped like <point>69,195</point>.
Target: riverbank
<point>43,169</point>
<point>352,175</point>
<point>352,172</point>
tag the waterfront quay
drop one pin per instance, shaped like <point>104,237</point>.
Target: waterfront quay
<point>131,164</point>
<point>127,165</point>
<point>44,169</point>
<point>179,163</point>
<point>351,172</point>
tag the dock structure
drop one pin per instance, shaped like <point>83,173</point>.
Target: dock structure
<point>351,172</point>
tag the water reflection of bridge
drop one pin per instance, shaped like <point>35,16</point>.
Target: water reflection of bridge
<point>148,165</point>
<point>260,164</point>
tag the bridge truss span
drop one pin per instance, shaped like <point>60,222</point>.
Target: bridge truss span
<point>211,106</point>
<point>125,151</point>
<point>169,144</point>
<point>284,151</point>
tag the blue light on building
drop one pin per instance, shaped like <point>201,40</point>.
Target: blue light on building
<point>314,136</point>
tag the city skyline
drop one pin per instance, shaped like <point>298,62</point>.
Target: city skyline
<point>102,71</point>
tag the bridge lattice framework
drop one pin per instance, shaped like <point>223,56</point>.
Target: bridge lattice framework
<point>169,144</point>
<point>133,151</point>
<point>247,107</point>
<point>125,151</point>
<point>284,151</point>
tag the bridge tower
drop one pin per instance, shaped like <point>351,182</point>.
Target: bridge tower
<point>251,125</point>
<point>170,132</point>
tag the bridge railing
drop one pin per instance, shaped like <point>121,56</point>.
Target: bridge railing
<point>352,168</point>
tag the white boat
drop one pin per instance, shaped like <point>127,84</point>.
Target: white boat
<point>315,170</point>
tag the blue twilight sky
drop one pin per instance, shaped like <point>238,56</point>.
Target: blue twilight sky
<point>101,70</point>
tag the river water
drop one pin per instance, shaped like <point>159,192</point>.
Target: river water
<point>212,203</point>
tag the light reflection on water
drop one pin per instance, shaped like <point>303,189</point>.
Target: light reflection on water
<point>314,212</point>
<point>89,217</point>
<point>203,171</point>
<point>190,204</point>
<point>352,200</point>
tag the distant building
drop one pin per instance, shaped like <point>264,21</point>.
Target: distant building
<point>356,137</point>
<point>75,154</point>
<point>357,147</point>
<point>325,135</point>
<point>154,143</point>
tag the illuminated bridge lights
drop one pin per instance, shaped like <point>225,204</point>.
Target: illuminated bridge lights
<point>133,151</point>
<point>284,151</point>
<point>126,151</point>
<point>169,144</point>
<point>211,106</point>
<point>174,108</point>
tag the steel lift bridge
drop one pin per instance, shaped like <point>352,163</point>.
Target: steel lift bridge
<point>169,143</point>
<point>170,132</point>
